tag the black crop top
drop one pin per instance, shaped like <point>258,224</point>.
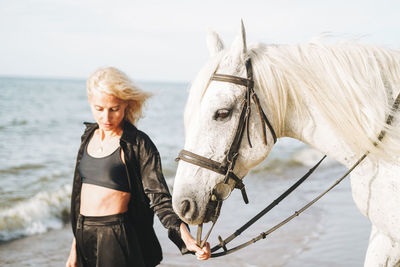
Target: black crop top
<point>108,171</point>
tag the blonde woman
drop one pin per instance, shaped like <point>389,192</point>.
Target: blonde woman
<point>118,184</point>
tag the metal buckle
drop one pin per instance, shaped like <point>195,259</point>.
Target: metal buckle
<point>221,191</point>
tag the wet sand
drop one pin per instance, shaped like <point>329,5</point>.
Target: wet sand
<point>331,233</point>
<point>47,249</point>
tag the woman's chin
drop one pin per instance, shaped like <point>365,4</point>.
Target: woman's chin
<point>109,129</point>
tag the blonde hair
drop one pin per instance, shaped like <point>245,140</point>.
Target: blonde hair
<point>114,82</point>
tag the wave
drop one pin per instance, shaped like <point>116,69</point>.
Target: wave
<point>44,211</point>
<point>309,157</point>
<point>276,166</point>
<point>13,123</point>
<point>305,157</point>
<point>23,167</point>
<point>17,122</point>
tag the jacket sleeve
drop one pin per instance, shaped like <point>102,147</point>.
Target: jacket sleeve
<point>156,190</point>
<point>77,182</point>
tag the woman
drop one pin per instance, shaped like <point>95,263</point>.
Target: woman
<point>118,184</point>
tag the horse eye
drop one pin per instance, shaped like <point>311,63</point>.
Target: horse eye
<point>222,114</point>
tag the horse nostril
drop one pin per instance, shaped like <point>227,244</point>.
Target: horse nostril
<point>185,207</point>
<point>188,209</point>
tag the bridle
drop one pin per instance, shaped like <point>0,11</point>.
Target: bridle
<point>222,190</point>
<point>226,167</point>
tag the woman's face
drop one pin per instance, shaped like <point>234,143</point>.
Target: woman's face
<point>108,110</point>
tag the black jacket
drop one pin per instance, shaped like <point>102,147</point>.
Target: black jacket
<point>149,191</point>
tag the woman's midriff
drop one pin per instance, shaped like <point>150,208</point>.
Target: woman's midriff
<point>101,201</point>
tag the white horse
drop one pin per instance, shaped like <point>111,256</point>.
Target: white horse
<point>334,97</point>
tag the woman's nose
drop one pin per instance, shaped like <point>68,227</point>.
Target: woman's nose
<point>107,115</point>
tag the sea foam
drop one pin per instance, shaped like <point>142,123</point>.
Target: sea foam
<point>44,211</point>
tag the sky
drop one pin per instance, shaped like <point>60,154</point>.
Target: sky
<point>166,40</point>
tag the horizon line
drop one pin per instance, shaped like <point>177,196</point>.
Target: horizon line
<point>69,78</point>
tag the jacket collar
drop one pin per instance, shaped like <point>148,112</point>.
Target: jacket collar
<point>129,131</point>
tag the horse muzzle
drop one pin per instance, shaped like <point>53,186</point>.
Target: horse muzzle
<point>193,212</point>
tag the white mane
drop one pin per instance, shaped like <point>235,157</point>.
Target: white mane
<point>353,86</point>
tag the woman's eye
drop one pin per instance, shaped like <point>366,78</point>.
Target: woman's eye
<point>222,114</point>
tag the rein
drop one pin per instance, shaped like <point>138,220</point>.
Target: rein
<point>222,190</point>
<point>263,235</point>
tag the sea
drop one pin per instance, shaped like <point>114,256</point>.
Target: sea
<point>41,121</point>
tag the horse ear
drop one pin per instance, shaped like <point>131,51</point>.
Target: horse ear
<point>243,34</point>
<point>214,43</point>
<point>239,46</point>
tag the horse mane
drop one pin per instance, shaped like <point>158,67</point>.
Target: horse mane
<point>352,85</point>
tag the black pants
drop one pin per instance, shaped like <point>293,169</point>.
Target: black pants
<point>107,241</point>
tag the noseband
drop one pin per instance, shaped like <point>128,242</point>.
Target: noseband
<point>222,190</point>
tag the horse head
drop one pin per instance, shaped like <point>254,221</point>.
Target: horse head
<point>214,113</point>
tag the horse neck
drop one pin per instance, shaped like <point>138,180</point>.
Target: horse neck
<point>313,129</point>
<point>352,86</point>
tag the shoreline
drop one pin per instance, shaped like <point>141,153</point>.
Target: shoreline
<point>47,249</point>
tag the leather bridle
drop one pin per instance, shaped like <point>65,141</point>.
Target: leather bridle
<point>228,164</point>
<point>222,190</point>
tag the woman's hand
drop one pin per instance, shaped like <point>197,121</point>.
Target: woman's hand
<point>71,262</point>
<point>203,253</point>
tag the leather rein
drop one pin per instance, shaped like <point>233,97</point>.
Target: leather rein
<point>222,190</point>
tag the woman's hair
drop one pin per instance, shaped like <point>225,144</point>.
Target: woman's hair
<point>114,82</point>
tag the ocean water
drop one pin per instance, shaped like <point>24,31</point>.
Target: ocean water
<point>40,128</point>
